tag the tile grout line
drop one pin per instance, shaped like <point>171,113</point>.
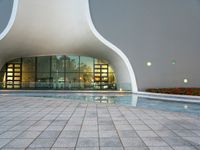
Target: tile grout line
<point>65,124</point>
<point>97,114</point>
<point>132,126</point>
<point>160,136</point>
<point>50,123</point>
<point>31,125</point>
<point>107,107</point>
<point>22,131</point>
<point>81,124</point>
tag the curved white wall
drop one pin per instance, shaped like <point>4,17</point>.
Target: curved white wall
<point>159,31</point>
<point>50,27</point>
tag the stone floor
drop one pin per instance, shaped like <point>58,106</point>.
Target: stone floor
<point>49,123</point>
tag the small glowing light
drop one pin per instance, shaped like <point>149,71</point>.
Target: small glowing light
<point>186,106</point>
<point>173,62</point>
<point>185,80</point>
<point>120,89</point>
<point>80,78</point>
<point>148,63</point>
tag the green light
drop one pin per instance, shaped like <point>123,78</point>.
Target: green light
<point>173,62</point>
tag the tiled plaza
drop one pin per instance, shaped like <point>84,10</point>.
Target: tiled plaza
<point>58,124</point>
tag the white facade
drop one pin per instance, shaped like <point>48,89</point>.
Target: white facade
<point>48,27</point>
<point>164,34</point>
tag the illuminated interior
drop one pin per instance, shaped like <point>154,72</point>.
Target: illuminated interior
<point>58,72</point>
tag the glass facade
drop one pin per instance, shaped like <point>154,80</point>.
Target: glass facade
<point>58,72</point>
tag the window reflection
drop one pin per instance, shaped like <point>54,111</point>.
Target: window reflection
<point>58,64</point>
<point>59,72</point>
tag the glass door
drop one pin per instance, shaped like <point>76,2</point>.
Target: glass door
<point>13,76</point>
<point>101,76</point>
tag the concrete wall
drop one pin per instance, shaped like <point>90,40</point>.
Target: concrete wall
<point>5,12</point>
<point>160,31</point>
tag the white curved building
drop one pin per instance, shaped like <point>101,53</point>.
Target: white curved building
<point>81,44</point>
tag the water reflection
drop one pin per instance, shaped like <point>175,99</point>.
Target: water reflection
<point>110,99</point>
<point>123,99</point>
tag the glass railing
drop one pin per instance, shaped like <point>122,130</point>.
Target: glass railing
<point>68,86</point>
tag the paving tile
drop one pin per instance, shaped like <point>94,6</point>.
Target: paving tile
<point>197,132</point>
<point>72,128</point>
<point>106,127</point>
<point>111,148</point>
<point>132,142</point>
<point>69,133</point>
<point>37,128</point>
<point>176,141</point>
<point>65,142</point>
<point>111,133</point>
<point>160,148</point>
<point>128,134</point>
<point>113,127</point>
<point>141,127</point>
<point>152,142</point>
<point>193,140</point>
<point>29,134</point>
<point>42,143</point>
<point>184,148</point>
<point>87,148</point>
<point>3,142</point>
<point>66,148</point>
<point>87,142</point>
<point>147,134</point>
<point>110,142</point>
<point>19,143</point>
<point>49,134</point>
<point>136,148</point>
<point>166,133</point>
<point>10,134</point>
<point>42,148</point>
<point>54,128</point>
<point>184,133</point>
<point>124,127</point>
<point>89,134</point>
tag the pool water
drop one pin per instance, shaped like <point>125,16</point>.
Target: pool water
<point>123,99</point>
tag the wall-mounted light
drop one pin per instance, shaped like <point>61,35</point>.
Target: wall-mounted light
<point>120,89</point>
<point>173,62</point>
<point>149,64</point>
<point>185,80</point>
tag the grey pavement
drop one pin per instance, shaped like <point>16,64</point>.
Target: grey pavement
<point>36,123</point>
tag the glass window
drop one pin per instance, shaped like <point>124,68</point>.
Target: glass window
<point>16,74</point>
<point>28,77</point>
<point>58,63</point>
<point>43,64</point>
<point>72,80</point>
<point>86,64</point>
<point>112,78</point>
<point>57,77</point>
<point>2,76</point>
<point>81,72</point>
<point>86,80</point>
<point>100,61</point>
<point>43,81</point>
<point>43,77</point>
<point>72,64</point>
<point>3,68</point>
<point>58,80</point>
<point>10,70</point>
<point>18,60</point>
<point>17,65</point>
<point>28,64</point>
